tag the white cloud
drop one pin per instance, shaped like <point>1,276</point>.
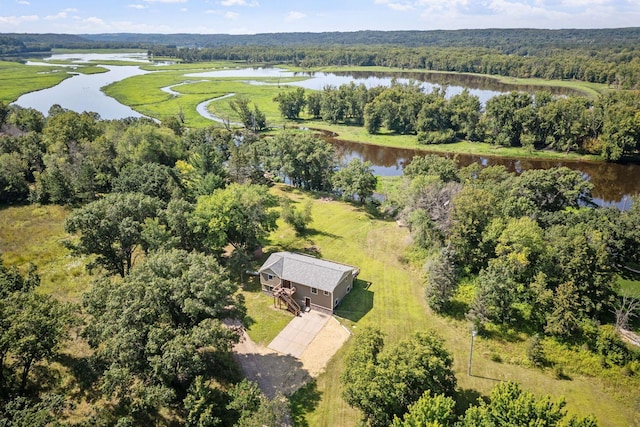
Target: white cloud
<point>60,15</point>
<point>397,5</point>
<point>137,6</point>
<point>183,9</point>
<point>231,15</point>
<point>25,2</point>
<point>249,3</point>
<point>165,1</point>
<point>294,16</point>
<point>17,20</point>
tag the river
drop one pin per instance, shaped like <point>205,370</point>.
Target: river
<point>613,183</point>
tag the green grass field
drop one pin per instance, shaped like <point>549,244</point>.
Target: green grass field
<point>34,234</point>
<point>390,296</point>
<point>17,79</point>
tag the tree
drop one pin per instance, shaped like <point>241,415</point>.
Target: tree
<point>152,179</point>
<point>314,103</point>
<point>509,405</point>
<point>441,280</point>
<point>444,168</point>
<point>553,189</point>
<point>239,215</point>
<point>299,219</point>
<point>161,327</point>
<point>473,211</point>
<point>111,228</point>
<point>32,327</point>
<point>308,162</point>
<point>291,102</point>
<point>4,113</point>
<point>383,382</point>
<point>13,184</point>
<point>356,181</point>
<point>149,143</point>
<point>254,120</point>
<point>429,411</point>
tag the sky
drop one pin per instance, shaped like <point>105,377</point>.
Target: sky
<point>276,16</point>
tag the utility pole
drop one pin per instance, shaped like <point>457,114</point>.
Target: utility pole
<point>473,335</point>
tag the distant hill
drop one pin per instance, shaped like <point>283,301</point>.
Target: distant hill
<point>502,39</point>
<point>490,38</point>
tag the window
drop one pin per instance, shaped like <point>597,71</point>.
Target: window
<point>348,289</point>
<point>336,303</point>
<point>269,276</point>
<point>314,291</point>
<point>325,292</point>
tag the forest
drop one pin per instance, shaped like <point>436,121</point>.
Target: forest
<point>609,56</point>
<point>157,206</point>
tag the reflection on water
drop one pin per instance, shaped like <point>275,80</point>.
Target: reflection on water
<point>613,183</point>
<point>83,92</point>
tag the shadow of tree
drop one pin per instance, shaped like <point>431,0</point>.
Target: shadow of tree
<point>85,372</point>
<point>358,303</point>
<point>274,372</point>
<point>304,401</point>
<point>467,398</point>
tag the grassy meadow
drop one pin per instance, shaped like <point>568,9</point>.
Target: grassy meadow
<point>17,79</point>
<point>388,295</point>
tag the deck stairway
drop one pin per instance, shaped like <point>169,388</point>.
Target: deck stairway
<point>286,295</point>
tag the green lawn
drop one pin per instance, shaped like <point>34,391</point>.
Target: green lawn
<point>389,296</point>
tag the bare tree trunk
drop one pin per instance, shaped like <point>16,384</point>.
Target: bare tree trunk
<point>627,309</point>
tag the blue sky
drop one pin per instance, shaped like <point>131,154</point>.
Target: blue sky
<point>269,16</point>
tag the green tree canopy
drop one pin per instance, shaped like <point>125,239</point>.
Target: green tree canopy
<point>111,229</point>
<point>356,181</point>
<point>161,326</point>
<point>382,381</point>
<point>239,215</point>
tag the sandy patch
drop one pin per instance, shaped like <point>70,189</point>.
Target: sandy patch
<point>328,341</point>
<point>276,372</point>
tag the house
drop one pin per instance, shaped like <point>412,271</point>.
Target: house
<point>302,281</point>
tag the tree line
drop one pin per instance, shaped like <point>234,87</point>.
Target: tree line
<point>619,67</point>
<point>539,253</point>
<point>607,125</point>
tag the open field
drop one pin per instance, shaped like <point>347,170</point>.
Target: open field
<point>34,234</point>
<point>388,295</point>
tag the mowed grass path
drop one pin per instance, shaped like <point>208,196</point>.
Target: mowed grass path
<point>393,301</point>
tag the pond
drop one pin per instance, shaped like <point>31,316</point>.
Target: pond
<point>613,183</point>
<point>82,92</point>
<point>319,80</point>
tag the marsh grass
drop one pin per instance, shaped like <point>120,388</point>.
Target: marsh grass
<point>17,79</point>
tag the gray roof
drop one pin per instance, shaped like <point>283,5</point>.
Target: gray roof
<point>307,270</point>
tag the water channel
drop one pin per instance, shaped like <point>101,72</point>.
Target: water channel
<point>613,183</point>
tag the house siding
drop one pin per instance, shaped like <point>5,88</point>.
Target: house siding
<point>264,280</point>
<point>318,301</point>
